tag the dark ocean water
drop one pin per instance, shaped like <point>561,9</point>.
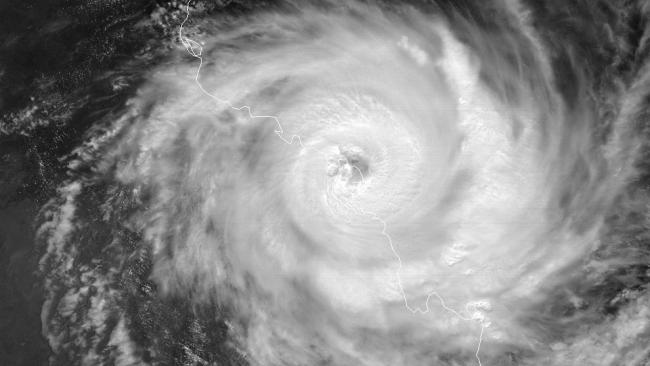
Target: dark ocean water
<point>80,279</point>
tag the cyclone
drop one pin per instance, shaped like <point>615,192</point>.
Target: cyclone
<point>367,184</point>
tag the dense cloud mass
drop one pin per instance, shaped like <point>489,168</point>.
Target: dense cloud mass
<point>357,183</point>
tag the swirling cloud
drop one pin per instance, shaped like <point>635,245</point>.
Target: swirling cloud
<point>362,186</point>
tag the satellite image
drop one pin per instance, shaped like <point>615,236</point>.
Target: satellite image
<point>325,182</point>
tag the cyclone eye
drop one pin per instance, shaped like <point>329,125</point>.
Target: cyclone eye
<point>349,165</point>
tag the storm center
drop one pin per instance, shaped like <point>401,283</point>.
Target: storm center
<point>349,165</point>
